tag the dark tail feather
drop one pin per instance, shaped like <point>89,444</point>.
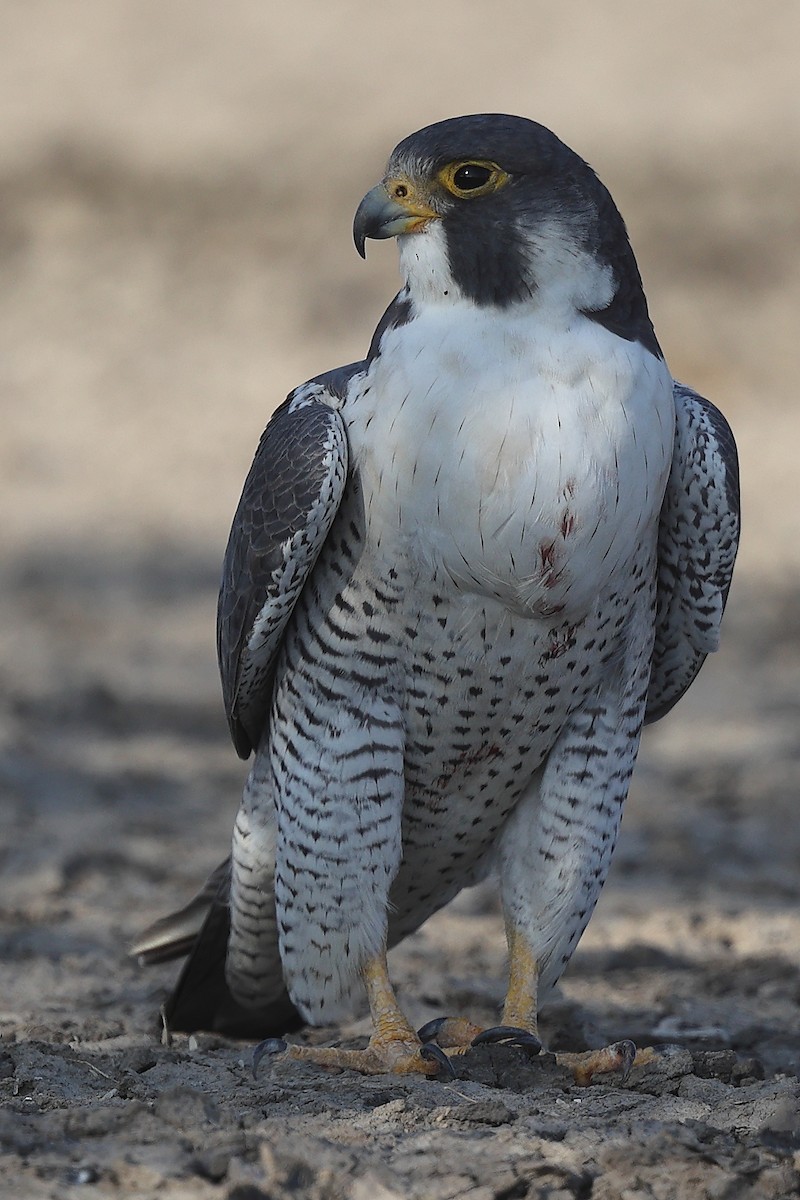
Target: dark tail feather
<point>201,999</point>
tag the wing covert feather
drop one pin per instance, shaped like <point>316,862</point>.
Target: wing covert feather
<point>697,542</point>
<point>289,501</point>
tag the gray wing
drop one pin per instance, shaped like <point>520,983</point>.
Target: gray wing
<point>288,505</point>
<point>697,542</point>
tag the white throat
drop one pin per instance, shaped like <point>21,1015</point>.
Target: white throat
<point>425,267</point>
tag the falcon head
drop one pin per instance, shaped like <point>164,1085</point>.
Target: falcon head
<point>496,209</point>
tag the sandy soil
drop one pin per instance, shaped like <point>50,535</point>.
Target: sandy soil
<point>178,184</point>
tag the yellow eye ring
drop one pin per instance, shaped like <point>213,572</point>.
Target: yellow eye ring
<point>470,177</point>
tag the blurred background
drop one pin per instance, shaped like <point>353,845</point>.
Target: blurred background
<point>179,179</point>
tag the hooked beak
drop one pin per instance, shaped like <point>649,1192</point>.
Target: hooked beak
<point>391,208</point>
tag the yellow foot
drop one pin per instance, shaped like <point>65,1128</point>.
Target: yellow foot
<point>451,1033</point>
<point>458,1035</point>
<point>401,1057</point>
<point>620,1056</point>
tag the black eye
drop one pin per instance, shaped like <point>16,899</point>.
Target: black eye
<point>471,176</point>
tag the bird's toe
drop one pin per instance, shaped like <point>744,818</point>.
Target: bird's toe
<point>432,1053</point>
<point>509,1035</point>
<point>452,1033</point>
<point>398,1057</point>
<point>620,1057</point>
<point>268,1046</point>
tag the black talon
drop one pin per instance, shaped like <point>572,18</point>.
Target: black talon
<point>434,1053</point>
<point>626,1049</point>
<point>270,1046</point>
<point>508,1035</point>
<point>429,1031</point>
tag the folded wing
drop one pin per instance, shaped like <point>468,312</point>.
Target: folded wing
<point>288,505</point>
<point>697,542</point>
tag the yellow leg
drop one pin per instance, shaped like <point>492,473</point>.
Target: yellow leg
<point>521,1006</point>
<point>519,1020</point>
<point>393,1039</point>
<point>394,1046</point>
<point>520,1017</point>
<point>520,1010</point>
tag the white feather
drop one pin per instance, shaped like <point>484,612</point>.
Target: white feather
<point>519,452</point>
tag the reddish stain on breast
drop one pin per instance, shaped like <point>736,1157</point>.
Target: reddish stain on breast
<point>466,761</point>
<point>547,558</point>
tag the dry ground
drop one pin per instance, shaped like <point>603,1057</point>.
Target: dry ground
<point>178,181</point>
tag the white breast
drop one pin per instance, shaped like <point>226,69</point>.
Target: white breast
<point>517,457</point>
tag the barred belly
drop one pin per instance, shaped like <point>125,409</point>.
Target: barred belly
<point>443,704</point>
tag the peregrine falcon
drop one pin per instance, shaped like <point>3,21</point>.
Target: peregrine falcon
<point>462,575</point>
